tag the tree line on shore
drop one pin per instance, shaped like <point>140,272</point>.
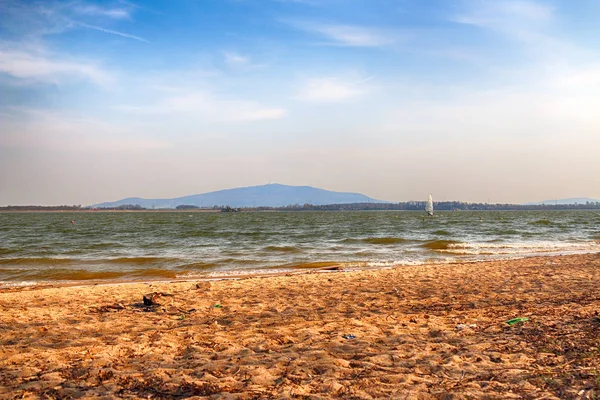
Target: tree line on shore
<point>402,206</point>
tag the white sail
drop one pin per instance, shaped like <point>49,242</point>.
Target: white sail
<point>429,206</point>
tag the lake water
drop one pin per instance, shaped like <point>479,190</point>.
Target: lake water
<point>130,246</point>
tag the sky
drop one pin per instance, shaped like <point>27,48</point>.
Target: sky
<point>472,100</point>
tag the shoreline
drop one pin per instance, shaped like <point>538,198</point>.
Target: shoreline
<point>82,284</point>
<point>420,331</point>
<point>333,268</point>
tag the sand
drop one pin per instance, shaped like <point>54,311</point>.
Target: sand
<point>414,332</point>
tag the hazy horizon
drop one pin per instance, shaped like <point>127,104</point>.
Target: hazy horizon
<point>471,100</point>
<point>101,203</point>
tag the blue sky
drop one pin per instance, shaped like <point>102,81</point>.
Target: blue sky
<point>474,100</point>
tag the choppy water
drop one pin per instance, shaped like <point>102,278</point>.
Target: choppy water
<point>38,247</point>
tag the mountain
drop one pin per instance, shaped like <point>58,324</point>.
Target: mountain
<point>573,200</point>
<point>271,195</point>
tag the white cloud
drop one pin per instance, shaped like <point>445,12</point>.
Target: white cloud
<point>42,67</point>
<point>235,59</point>
<point>348,35</point>
<point>331,90</point>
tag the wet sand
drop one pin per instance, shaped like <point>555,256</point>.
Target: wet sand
<point>415,332</point>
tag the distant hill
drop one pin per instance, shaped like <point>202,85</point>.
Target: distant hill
<point>573,200</point>
<point>271,195</point>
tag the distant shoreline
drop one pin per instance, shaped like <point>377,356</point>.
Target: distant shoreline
<point>326,208</point>
<point>107,211</point>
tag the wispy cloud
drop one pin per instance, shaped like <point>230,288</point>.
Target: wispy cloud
<point>112,32</point>
<point>506,14</point>
<point>520,19</point>
<point>97,11</point>
<point>532,24</point>
<point>331,90</point>
<point>35,20</point>
<point>42,67</point>
<point>205,105</point>
<point>347,35</point>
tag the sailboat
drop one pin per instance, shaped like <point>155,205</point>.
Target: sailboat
<point>429,206</point>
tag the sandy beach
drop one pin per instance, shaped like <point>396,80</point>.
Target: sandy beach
<point>414,332</point>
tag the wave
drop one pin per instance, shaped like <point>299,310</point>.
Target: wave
<point>441,232</point>
<point>67,274</point>
<point>138,260</point>
<point>439,244</point>
<point>383,240</point>
<point>153,273</point>
<point>349,240</point>
<point>197,266</point>
<point>62,274</point>
<point>310,265</point>
<point>4,251</point>
<point>52,261</point>
<point>105,245</point>
<point>541,222</point>
<point>506,232</point>
<point>521,248</point>
<point>204,234</point>
<point>239,261</point>
<point>36,261</point>
<point>283,249</point>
